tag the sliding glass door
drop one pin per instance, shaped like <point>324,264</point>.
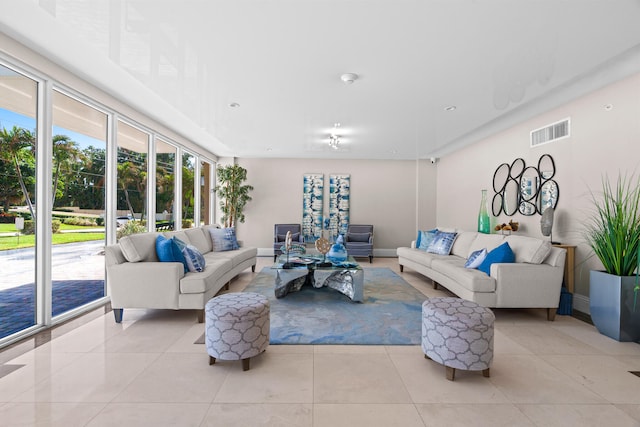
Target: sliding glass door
<point>18,106</point>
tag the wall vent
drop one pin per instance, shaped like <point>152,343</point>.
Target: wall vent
<point>550,133</point>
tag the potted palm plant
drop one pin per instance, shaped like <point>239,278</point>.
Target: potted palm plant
<point>233,194</point>
<point>613,232</point>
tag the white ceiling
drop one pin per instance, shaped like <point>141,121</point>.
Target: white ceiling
<point>184,62</point>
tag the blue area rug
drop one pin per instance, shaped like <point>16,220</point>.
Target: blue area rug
<point>389,315</point>
<point>17,305</point>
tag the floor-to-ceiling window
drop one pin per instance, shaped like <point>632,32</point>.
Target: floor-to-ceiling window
<point>18,107</point>
<point>188,183</point>
<point>205,192</point>
<point>133,151</point>
<point>165,184</point>
<point>79,145</point>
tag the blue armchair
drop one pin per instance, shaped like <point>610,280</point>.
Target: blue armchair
<point>359,241</point>
<point>279,234</point>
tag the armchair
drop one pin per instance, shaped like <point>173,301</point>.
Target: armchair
<point>359,241</point>
<point>279,234</point>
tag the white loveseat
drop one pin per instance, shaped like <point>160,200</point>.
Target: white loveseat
<point>137,279</point>
<point>533,281</point>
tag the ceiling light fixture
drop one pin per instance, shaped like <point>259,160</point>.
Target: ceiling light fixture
<point>334,138</point>
<point>234,105</point>
<point>450,108</point>
<point>349,78</point>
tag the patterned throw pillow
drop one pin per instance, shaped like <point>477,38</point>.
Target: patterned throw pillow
<point>501,254</point>
<point>224,239</point>
<point>442,243</point>
<point>476,258</point>
<point>193,257</point>
<point>425,237</point>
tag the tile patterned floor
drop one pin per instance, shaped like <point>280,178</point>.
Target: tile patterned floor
<point>148,371</point>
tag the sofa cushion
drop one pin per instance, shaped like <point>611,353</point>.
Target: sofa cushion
<point>223,239</point>
<point>463,243</point>
<point>193,257</point>
<point>418,256</point>
<point>501,254</point>
<point>529,249</point>
<point>488,241</point>
<point>236,257</point>
<point>469,278</point>
<point>476,258</point>
<point>198,239</point>
<point>139,247</point>
<point>425,237</point>
<point>196,283</point>
<point>442,243</point>
<point>178,235</point>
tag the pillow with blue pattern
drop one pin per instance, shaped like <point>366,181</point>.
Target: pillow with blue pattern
<point>224,239</point>
<point>476,258</point>
<point>193,258</point>
<point>425,237</point>
<point>442,243</point>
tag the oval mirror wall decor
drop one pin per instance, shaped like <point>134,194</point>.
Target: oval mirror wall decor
<point>523,189</point>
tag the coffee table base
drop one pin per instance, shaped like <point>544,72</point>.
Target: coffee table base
<point>349,282</point>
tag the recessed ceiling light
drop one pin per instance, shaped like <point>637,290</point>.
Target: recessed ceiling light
<point>349,78</point>
<point>450,108</point>
<point>234,105</point>
<point>608,107</point>
<point>269,149</point>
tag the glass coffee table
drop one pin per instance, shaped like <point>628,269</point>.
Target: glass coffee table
<point>346,278</point>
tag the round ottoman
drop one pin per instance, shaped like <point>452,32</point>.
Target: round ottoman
<point>236,327</point>
<point>457,334</point>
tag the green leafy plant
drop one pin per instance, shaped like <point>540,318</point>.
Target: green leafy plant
<point>232,193</point>
<point>613,231</point>
<point>131,227</point>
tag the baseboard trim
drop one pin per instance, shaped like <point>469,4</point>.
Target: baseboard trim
<point>581,303</point>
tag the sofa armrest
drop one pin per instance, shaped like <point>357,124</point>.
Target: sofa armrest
<point>145,284</point>
<point>527,285</point>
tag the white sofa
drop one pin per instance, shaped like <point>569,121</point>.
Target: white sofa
<point>533,281</point>
<point>137,279</point>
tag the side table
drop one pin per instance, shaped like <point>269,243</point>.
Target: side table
<point>569,266</point>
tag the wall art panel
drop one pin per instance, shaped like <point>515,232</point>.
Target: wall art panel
<point>339,193</point>
<point>312,204</point>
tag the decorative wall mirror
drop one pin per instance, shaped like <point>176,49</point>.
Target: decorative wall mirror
<point>525,189</point>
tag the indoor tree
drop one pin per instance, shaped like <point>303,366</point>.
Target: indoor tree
<point>232,193</point>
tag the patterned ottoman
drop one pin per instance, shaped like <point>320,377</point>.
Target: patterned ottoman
<point>236,327</point>
<point>457,334</point>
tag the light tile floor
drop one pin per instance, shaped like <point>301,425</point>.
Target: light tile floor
<point>148,371</point>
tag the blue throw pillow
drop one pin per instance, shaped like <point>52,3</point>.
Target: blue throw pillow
<point>442,243</point>
<point>501,254</point>
<point>476,258</point>
<point>168,251</point>
<point>224,239</point>
<point>193,258</point>
<point>425,237</point>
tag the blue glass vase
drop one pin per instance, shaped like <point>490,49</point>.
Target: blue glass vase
<point>337,253</point>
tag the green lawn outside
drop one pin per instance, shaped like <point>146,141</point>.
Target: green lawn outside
<point>11,242</point>
<point>11,228</point>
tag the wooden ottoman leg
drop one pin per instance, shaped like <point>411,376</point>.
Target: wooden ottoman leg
<point>212,360</point>
<point>245,363</point>
<point>451,373</point>
<point>485,373</point>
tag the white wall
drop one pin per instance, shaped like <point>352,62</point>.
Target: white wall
<point>387,194</point>
<point>602,143</point>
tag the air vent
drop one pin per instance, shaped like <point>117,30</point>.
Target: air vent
<point>553,132</point>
